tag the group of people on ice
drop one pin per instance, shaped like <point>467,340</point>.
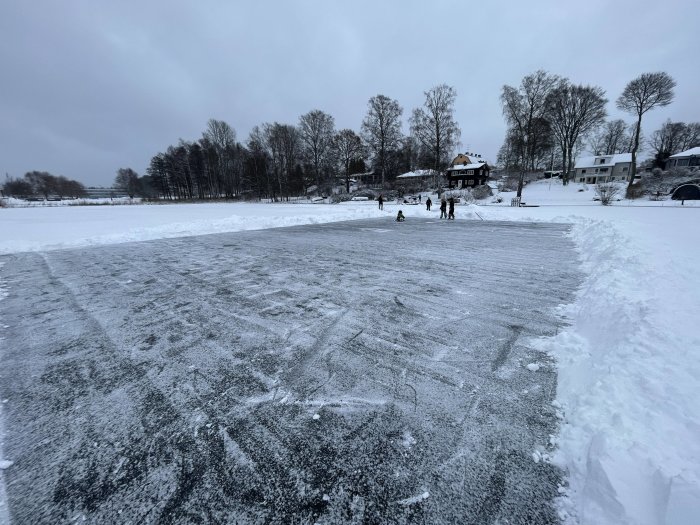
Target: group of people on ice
<point>447,208</point>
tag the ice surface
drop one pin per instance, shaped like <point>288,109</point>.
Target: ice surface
<point>180,378</point>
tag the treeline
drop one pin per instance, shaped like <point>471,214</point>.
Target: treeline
<point>551,120</point>
<point>43,184</point>
<point>278,161</point>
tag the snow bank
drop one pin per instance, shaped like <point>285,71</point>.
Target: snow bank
<point>628,369</point>
<point>38,229</point>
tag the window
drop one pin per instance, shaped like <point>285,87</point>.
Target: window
<point>624,169</point>
<point>603,170</point>
<point>583,171</point>
<point>581,179</point>
<point>470,172</point>
<point>602,161</point>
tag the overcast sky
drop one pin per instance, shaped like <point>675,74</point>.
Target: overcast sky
<point>90,86</point>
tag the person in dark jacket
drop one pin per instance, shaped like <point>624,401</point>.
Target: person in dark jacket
<point>400,217</point>
<point>428,203</point>
<point>443,208</point>
<point>451,214</point>
<point>381,202</point>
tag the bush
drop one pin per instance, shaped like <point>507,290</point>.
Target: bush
<point>607,191</point>
<point>340,197</point>
<point>510,183</point>
<point>481,192</point>
<point>635,191</point>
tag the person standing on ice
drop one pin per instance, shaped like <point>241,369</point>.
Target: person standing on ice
<point>451,214</point>
<point>443,208</point>
<point>381,202</point>
<point>428,203</point>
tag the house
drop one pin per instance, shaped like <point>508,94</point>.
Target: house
<point>418,179</point>
<point>105,193</point>
<point>467,170</point>
<point>369,178</point>
<point>603,168</point>
<point>685,159</point>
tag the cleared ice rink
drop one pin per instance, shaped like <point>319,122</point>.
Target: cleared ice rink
<point>361,371</point>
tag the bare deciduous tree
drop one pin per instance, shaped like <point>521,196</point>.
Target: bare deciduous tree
<point>645,92</point>
<point>610,138</point>
<point>673,137</point>
<point>348,147</point>
<point>223,165</point>
<point>284,145</point>
<point>381,130</point>
<point>524,109</point>
<point>574,111</point>
<point>317,128</point>
<point>434,125</point>
<point>128,180</point>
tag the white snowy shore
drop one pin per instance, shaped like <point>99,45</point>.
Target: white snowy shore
<point>629,363</point>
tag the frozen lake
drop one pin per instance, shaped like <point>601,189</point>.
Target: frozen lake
<point>361,371</point>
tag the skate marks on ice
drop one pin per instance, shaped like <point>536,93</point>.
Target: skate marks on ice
<point>347,372</point>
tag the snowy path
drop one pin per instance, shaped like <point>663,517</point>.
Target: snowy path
<point>363,370</point>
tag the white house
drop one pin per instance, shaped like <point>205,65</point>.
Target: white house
<point>603,168</point>
<point>686,159</point>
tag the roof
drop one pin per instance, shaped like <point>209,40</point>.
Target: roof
<point>472,166</point>
<point>610,160</point>
<point>687,153</point>
<point>417,173</point>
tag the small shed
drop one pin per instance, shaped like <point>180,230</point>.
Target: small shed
<point>687,192</point>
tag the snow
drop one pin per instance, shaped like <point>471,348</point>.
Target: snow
<point>687,153</point>
<point>628,363</point>
<point>611,160</point>
<point>417,173</point>
<point>415,499</point>
<point>473,165</point>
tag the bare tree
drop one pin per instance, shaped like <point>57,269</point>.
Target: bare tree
<point>434,125</point>
<point>606,192</point>
<point>42,182</point>
<point>673,137</point>
<point>284,145</point>
<point>127,180</point>
<point>348,147</point>
<point>610,138</point>
<point>316,128</point>
<point>20,188</point>
<point>645,92</point>
<point>381,130</point>
<point>574,111</point>
<point>222,162</point>
<point>524,108</point>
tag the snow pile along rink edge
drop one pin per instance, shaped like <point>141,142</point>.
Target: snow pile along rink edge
<point>627,384</point>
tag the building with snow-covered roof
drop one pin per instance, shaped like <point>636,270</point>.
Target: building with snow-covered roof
<point>418,179</point>
<point>603,168</point>
<point>468,170</point>
<point>685,159</point>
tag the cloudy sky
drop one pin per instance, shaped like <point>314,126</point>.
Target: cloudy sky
<point>90,86</point>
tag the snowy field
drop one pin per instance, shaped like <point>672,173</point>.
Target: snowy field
<point>627,364</point>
